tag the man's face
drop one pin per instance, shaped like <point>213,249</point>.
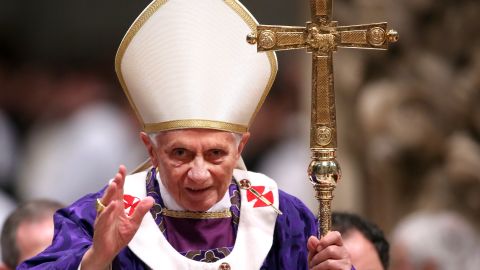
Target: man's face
<point>34,237</point>
<point>195,165</point>
<point>362,252</point>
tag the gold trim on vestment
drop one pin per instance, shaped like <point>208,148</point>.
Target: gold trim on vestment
<point>132,31</point>
<point>194,123</point>
<point>197,215</point>
<point>252,23</point>
<point>156,127</point>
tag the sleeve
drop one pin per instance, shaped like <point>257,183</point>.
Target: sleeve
<point>292,230</point>
<point>72,237</point>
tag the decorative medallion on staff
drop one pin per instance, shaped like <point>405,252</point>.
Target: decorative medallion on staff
<point>322,37</point>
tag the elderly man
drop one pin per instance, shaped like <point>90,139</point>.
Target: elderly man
<point>195,85</point>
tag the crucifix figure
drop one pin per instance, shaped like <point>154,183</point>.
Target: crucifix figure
<point>322,37</point>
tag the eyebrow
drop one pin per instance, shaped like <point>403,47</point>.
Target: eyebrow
<point>213,145</point>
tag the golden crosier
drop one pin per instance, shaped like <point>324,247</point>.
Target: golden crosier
<point>321,37</point>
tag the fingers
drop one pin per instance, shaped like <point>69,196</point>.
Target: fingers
<point>328,255</point>
<point>120,181</point>
<point>109,194</point>
<point>105,216</point>
<point>142,208</point>
<point>122,170</point>
<point>332,238</point>
<point>333,265</point>
<point>114,190</point>
<point>106,232</point>
<point>328,252</point>
<point>312,244</point>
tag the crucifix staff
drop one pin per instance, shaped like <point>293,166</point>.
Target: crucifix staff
<point>321,37</point>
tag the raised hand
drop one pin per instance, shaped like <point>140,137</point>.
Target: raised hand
<point>113,228</point>
<point>328,253</point>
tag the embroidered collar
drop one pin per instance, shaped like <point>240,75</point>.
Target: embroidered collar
<point>154,189</point>
<point>196,215</point>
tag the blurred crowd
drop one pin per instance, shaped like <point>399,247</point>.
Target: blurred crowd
<point>419,117</point>
<point>408,118</point>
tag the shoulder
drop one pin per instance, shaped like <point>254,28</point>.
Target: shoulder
<point>136,177</point>
<point>290,205</point>
<point>135,184</point>
<point>255,177</point>
<point>295,210</point>
<point>81,212</point>
<point>84,208</point>
<point>292,230</point>
<point>291,202</point>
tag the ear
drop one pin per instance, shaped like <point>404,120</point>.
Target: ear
<point>243,142</point>
<point>150,147</point>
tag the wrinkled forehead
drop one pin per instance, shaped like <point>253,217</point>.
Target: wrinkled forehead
<point>195,134</point>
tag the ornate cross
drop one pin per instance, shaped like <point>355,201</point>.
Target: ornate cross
<point>322,37</point>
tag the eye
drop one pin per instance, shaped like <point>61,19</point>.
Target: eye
<point>215,154</point>
<point>180,153</point>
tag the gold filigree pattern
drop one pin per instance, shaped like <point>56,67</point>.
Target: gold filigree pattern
<point>210,257</point>
<point>323,82</point>
<point>290,38</point>
<point>320,7</point>
<point>354,37</point>
<point>197,215</point>
<point>194,123</point>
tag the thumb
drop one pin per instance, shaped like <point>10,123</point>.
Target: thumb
<point>142,208</point>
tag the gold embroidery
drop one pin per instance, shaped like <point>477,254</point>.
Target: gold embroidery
<point>194,123</point>
<point>197,215</point>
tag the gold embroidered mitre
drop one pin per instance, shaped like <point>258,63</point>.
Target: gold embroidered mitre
<point>186,64</point>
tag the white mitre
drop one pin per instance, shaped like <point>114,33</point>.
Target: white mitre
<point>187,64</point>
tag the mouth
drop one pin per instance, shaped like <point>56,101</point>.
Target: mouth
<point>197,190</point>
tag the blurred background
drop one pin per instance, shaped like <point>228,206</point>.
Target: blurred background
<point>408,118</point>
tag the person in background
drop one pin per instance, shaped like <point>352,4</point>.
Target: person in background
<point>27,231</point>
<point>428,240</point>
<point>366,243</point>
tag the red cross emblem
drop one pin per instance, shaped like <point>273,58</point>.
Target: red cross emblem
<point>130,203</point>
<point>260,189</point>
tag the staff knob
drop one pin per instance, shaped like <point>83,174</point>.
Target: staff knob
<point>252,38</point>
<point>392,36</point>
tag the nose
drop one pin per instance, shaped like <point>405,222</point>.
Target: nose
<point>199,171</point>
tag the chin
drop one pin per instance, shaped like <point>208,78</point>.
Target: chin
<point>199,206</point>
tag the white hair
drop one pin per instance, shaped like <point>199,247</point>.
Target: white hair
<point>153,137</point>
<point>444,238</point>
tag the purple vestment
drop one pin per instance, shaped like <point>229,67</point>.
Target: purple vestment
<point>74,230</point>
